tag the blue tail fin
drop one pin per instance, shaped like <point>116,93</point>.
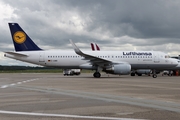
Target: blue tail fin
<point>22,42</point>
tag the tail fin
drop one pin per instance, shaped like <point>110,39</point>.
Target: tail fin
<point>22,42</point>
<point>95,47</point>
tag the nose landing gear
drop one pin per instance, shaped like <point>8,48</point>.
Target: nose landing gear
<point>154,74</point>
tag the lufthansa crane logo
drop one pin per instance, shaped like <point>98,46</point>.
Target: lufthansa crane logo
<point>19,37</point>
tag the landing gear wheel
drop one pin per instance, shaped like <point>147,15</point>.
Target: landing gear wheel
<point>132,74</point>
<point>139,74</point>
<point>154,76</point>
<point>97,75</point>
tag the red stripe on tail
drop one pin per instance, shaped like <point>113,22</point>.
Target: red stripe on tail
<point>92,46</point>
<point>97,47</point>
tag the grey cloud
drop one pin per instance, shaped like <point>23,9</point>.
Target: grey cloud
<point>154,22</point>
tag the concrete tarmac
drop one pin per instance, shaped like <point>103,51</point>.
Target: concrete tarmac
<point>27,96</point>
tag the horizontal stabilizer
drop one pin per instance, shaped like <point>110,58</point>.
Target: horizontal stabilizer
<point>17,54</point>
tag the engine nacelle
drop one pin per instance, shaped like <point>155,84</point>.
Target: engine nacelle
<point>120,69</point>
<point>143,71</point>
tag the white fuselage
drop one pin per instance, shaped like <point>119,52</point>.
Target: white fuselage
<point>69,59</point>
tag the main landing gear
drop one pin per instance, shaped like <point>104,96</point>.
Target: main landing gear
<point>133,74</point>
<point>97,75</point>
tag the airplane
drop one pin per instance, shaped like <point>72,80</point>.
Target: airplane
<point>114,62</point>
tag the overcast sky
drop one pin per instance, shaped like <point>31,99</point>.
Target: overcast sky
<point>112,24</point>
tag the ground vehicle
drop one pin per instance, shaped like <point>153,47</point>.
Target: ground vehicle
<point>72,72</point>
<point>167,72</point>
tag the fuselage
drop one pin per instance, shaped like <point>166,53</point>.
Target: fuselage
<point>69,59</point>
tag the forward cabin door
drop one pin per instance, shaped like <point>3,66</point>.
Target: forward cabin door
<point>156,57</point>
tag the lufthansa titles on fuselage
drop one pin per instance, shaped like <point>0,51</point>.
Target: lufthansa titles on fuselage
<point>137,53</point>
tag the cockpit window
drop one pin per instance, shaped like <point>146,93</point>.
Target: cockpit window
<point>167,56</point>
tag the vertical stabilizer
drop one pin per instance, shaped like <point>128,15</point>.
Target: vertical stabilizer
<point>22,42</point>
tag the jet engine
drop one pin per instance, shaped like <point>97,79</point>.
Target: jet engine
<point>143,71</point>
<point>120,69</point>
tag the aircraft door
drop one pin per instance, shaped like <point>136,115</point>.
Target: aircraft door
<point>156,57</point>
<point>41,57</point>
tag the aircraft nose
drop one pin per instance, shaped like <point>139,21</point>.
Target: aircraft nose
<point>174,61</point>
<point>178,66</point>
<point>178,63</point>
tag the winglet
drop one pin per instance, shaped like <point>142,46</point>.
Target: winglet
<point>76,49</point>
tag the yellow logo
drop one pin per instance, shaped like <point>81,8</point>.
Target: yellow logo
<point>19,37</point>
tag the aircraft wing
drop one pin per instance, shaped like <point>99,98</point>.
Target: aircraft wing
<point>93,59</point>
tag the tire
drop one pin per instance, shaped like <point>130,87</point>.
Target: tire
<point>97,75</point>
<point>154,76</point>
<point>132,74</point>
